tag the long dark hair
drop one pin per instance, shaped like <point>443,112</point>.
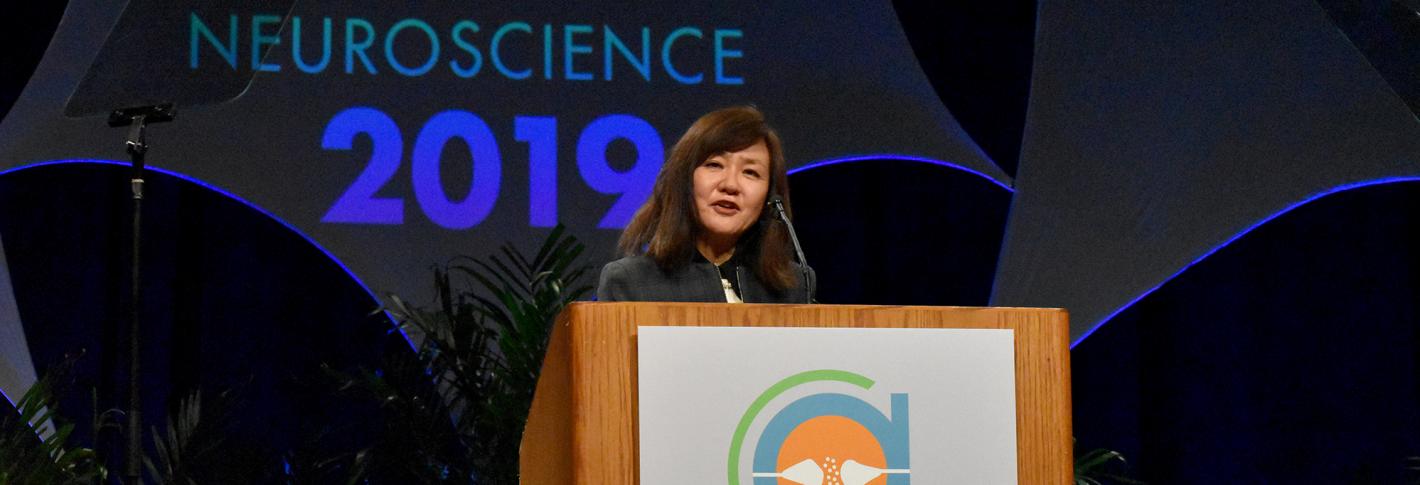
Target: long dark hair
<point>666,227</point>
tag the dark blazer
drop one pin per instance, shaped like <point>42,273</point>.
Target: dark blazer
<point>638,278</point>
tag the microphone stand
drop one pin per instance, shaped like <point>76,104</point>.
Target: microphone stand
<point>137,148</point>
<point>778,203</point>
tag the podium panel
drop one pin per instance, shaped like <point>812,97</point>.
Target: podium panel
<point>583,425</point>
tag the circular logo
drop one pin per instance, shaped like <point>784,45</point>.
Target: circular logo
<point>826,438</point>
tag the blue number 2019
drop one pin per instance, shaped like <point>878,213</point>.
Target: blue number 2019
<point>359,205</point>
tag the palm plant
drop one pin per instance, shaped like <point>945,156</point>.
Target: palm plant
<point>34,441</point>
<point>1412,469</point>
<point>194,447</point>
<point>456,410</point>
<point>1100,466</point>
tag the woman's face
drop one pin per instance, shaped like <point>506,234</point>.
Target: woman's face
<point>730,190</point>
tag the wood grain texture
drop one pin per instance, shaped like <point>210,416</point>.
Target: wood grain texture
<point>544,455</point>
<point>583,425</point>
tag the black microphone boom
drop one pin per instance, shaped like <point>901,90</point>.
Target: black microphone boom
<point>777,203</point>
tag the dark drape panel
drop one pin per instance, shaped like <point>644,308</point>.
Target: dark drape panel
<point>1290,356</point>
<point>978,57</point>
<point>894,232</point>
<point>1386,32</point>
<point>232,300</point>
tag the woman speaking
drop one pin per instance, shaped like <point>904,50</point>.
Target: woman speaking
<point>705,234</point>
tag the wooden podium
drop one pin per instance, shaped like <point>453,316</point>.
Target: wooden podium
<point>582,428</point>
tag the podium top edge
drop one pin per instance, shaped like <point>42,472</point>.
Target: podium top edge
<point>597,304</point>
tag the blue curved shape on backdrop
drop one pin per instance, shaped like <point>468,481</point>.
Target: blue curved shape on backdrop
<point>1239,235</point>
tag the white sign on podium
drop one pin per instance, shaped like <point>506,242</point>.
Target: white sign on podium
<point>768,406</point>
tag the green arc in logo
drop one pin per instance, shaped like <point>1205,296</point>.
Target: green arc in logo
<point>774,391</point>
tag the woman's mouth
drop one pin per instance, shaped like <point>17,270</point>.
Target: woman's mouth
<point>725,208</point>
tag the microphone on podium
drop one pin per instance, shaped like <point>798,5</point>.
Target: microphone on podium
<point>777,203</point>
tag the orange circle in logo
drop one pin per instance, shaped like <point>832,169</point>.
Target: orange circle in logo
<point>829,441</point>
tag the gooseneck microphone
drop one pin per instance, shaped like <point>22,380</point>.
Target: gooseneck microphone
<point>777,203</point>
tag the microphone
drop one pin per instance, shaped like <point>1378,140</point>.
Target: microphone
<point>777,203</point>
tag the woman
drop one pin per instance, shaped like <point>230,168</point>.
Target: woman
<point>705,235</point>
